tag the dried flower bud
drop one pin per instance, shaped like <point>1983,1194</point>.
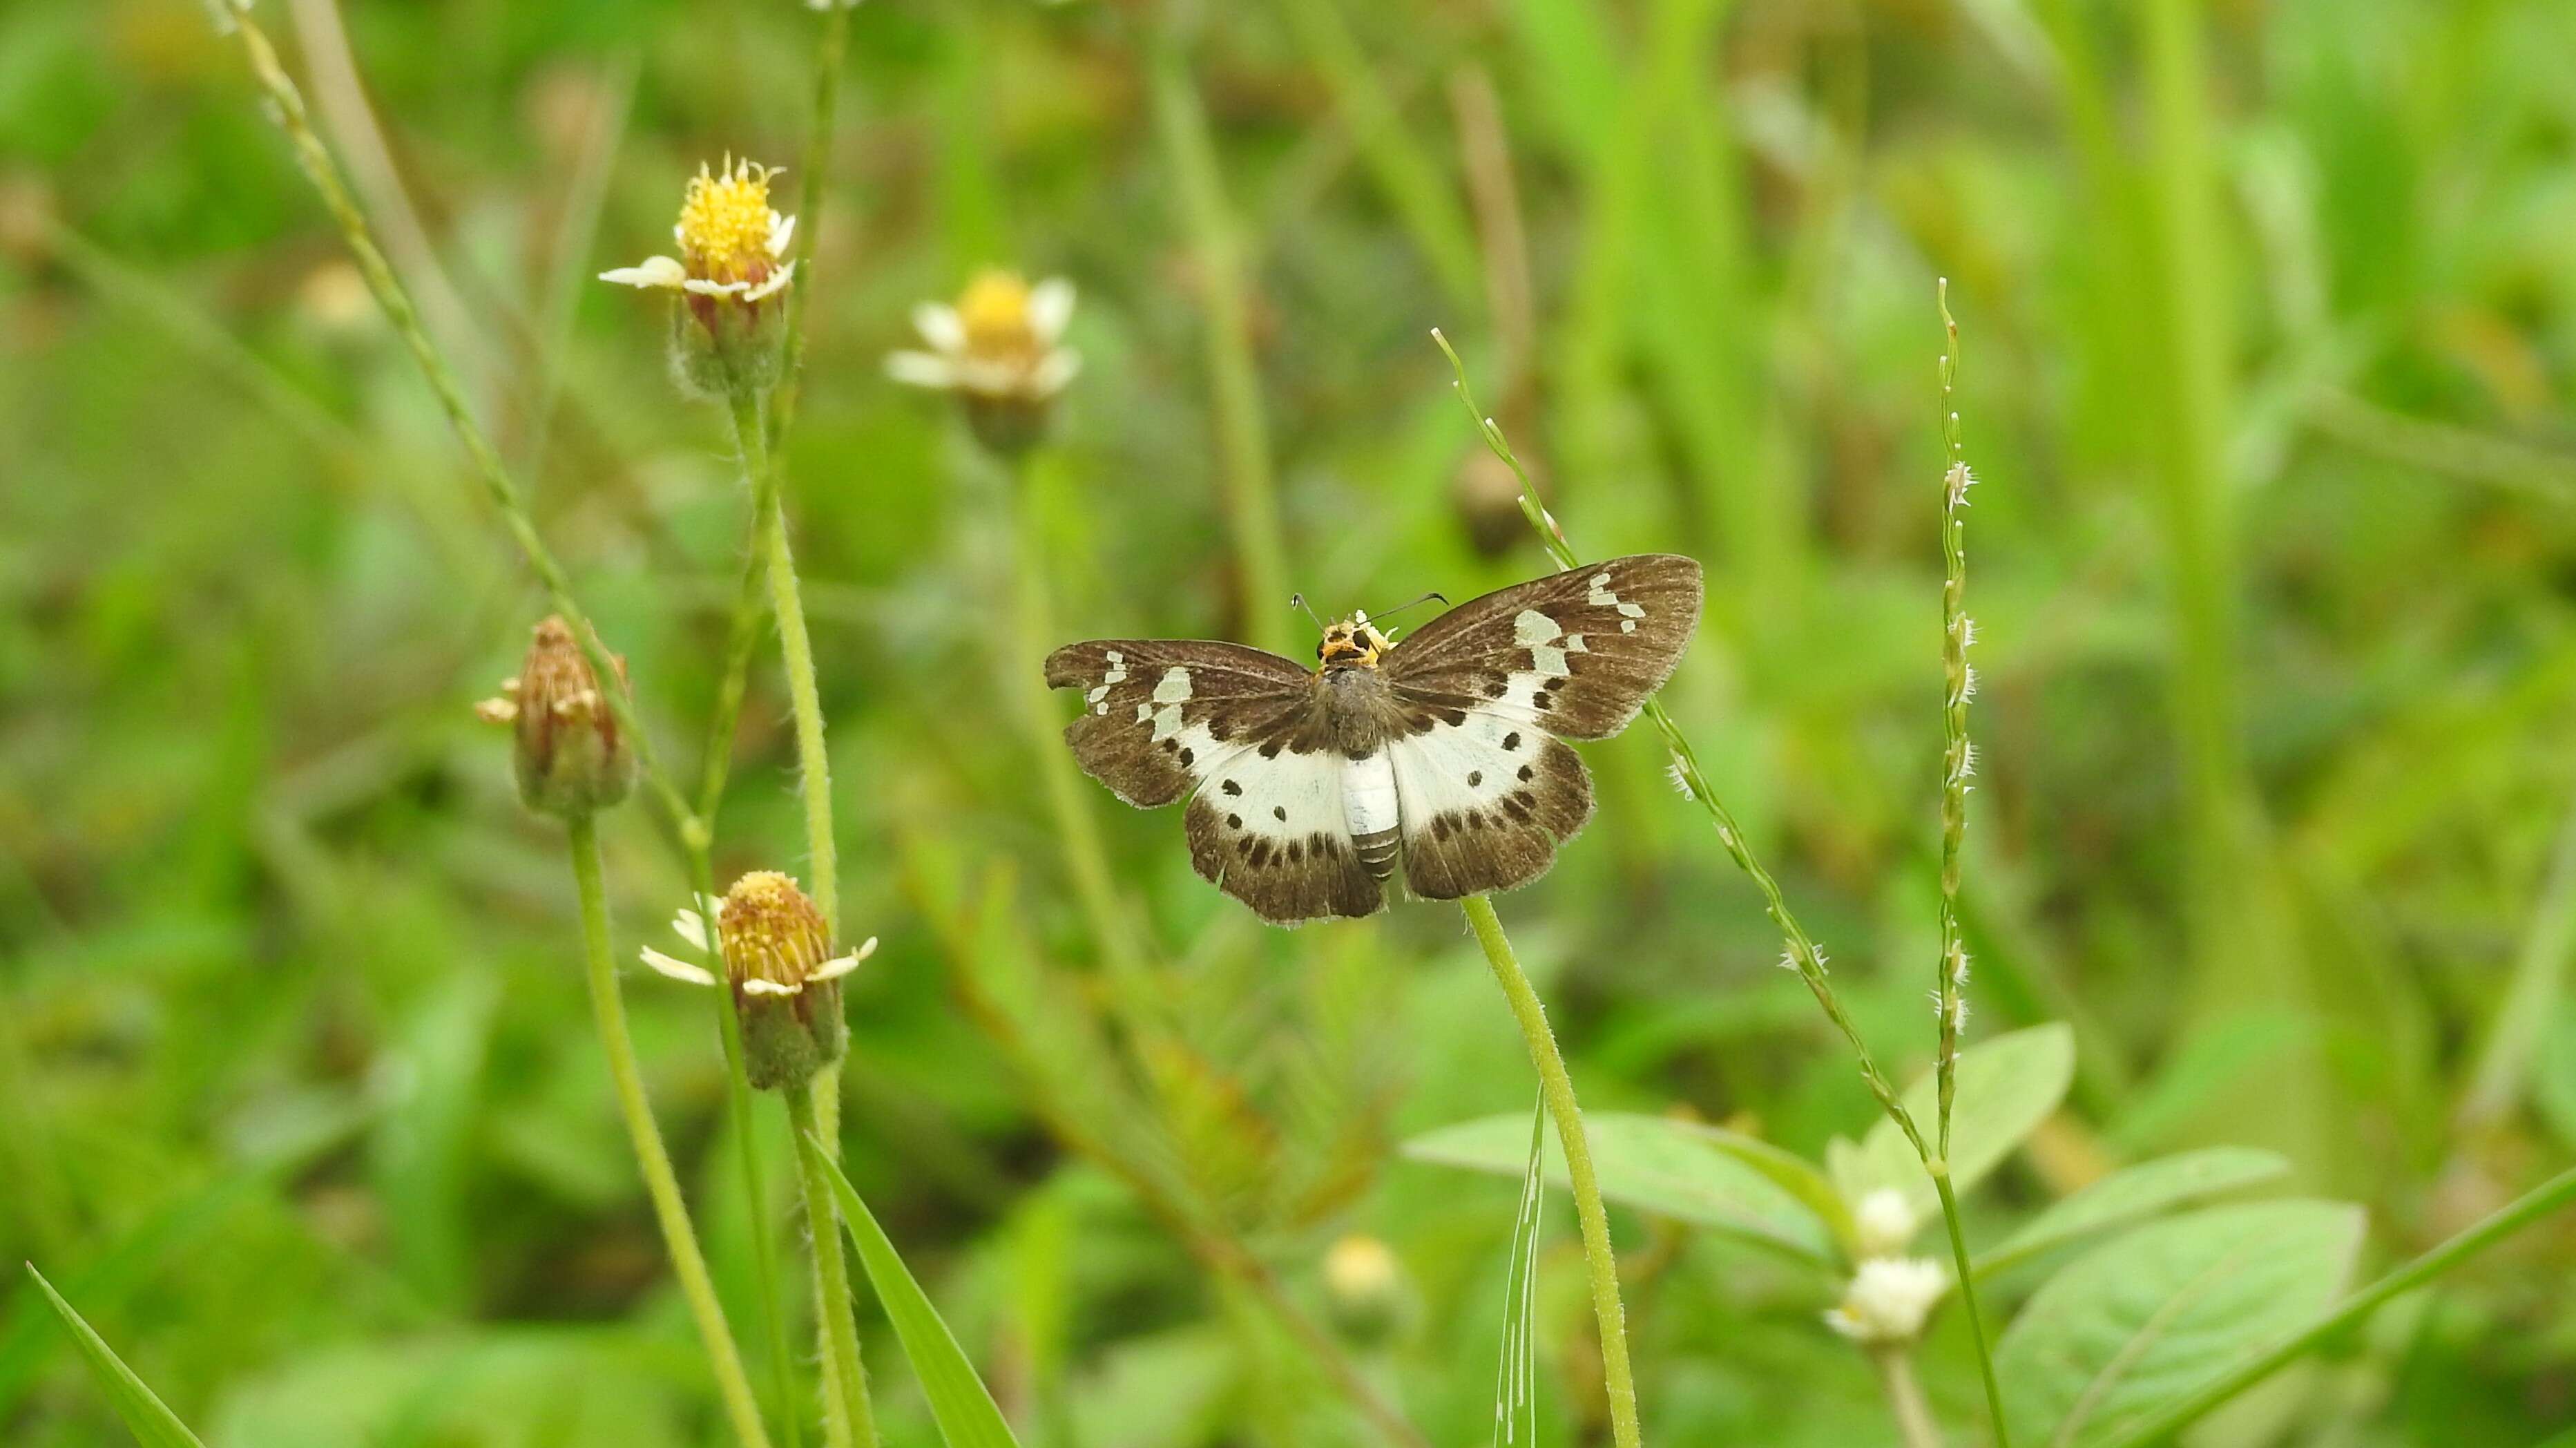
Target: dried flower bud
<point>570,757</point>
<point>778,959</point>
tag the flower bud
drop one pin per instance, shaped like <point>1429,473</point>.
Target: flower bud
<point>786,982</point>
<point>1365,1290</point>
<point>1884,1222</point>
<point>1887,1300</point>
<point>570,758</point>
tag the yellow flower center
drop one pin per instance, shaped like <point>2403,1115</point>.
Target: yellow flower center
<point>770,930</point>
<point>725,222</point>
<point>995,312</point>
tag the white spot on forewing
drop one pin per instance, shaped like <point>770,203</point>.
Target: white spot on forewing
<point>1167,721</point>
<point>1602,597</point>
<point>1174,687</point>
<point>1530,626</point>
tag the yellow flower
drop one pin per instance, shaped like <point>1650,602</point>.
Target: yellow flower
<point>733,244</point>
<point>999,343</point>
<point>774,944</point>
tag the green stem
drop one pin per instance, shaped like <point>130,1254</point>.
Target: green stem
<point>1242,431</point>
<point>660,1183</point>
<point>1905,1400</point>
<point>796,651</point>
<point>315,160</point>
<point>2557,1192</point>
<point>1940,1170</point>
<point>1617,1380</point>
<point>848,1419</point>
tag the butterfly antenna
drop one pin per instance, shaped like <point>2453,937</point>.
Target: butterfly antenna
<point>1441,599</point>
<point>1298,600</point>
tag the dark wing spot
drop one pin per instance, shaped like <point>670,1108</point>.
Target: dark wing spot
<point>1279,812</point>
<point>1170,745</point>
<point>1440,827</point>
<point>1186,757</point>
<point>1221,727</point>
<point>1296,851</point>
<point>1518,811</point>
<point>1270,750</point>
<point>1497,685</point>
<point>1233,788</point>
<point>1234,822</point>
<point>1524,798</point>
<point>1355,755</point>
<point>1542,701</point>
<point>1527,774</point>
<point>1475,777</point>
<point>1453,717</point>
<point>1511,741</point>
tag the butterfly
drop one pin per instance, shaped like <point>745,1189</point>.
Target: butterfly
<point>1443,752</point>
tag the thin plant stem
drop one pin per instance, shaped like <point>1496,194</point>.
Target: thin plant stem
<point>796,651</point>
<point>287,108</point>
<point>849,1421</point>
<point>1243,434</point>
<point>829,50</point>
<point>1086,857</point>
<point>688,1263</point>
<point>1802,954</point>
<point>1958,756</point>
<point>1617,1380</point>
<point>1905,1400</point>
<point>2550,1196</point>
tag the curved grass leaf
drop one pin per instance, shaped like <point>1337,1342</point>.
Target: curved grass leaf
<point>2007,1087</point>
<point>959,1401</point>
<point>2134,1194</point>
<point>1516,1383</point>
<point>2145,1319</point>
<point>150,1420</point>
<point>1652,1163</point>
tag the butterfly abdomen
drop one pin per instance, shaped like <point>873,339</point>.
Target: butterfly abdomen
<point>1368,806</point>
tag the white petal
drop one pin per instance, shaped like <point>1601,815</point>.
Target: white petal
<point>777,281</point>
<point>690,926</point>
<point>1050,307</point>
<point>656,271</point>
<point>842,965</point>
<point>679,970</point>
<point>781,231</point>
<point>920,369</point>
<point>1055,371</point>
<point>715,289</point>
<point>757,986</point>
<point>940,326</point>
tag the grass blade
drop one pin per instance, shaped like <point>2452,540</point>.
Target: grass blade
<point>1516,1383</point>
<point>151,1420</point>
<point>963,1406</point>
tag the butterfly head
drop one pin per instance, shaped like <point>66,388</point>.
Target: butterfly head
<point>1352,642</point>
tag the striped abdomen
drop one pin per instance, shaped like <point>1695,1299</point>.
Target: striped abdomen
<point>1368,804</point>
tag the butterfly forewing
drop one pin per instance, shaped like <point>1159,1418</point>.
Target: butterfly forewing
<point>1575,653</point>
<point>1238,731</point>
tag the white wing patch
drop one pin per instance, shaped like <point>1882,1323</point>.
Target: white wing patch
<point>1282,798</point>
<point>1464,770</point>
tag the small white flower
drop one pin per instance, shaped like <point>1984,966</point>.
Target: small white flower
<point>1884,1223</point>
<point>691,926</point>
<point>1888,1298</point>
<point>999,343</point>
<point>732,243</point>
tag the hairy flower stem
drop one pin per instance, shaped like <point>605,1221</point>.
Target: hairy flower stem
<point>849,1421</point>
<point>688,1263</point>
<point>1802,953</point>
<point>288,110</point>
<point>1617,1380</point>
<point>1905,1400</point>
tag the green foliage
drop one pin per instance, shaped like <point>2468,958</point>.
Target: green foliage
<point>2007,1086</point>
<point>2143,1319</point>
<point>145,1415</point>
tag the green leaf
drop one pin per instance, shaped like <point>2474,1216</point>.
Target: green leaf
<point>1649,1162</point>
<point>1516,1383</point>
<point>2134,1194</point>
<point>963,1406</point>
<point>151,1421</point>
<point>2007,1087</point>
<point>2146,1318</point>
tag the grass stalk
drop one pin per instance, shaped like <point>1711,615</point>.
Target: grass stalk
<point>1958,756</point>
<point>849,1420</point>
<point>2550,1196</point>
<point>1243,433</point>
<point>287,108</point>
<point>1618,1381</point>
<point>670,1209</point>
<point>1801,954</point>
<point>1915,1427</point>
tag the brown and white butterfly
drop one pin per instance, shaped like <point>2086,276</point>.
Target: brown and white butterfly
<point>1305,788</point>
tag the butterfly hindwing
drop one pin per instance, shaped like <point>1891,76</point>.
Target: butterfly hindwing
<point>1574,653</point>
<point>1485,804</point>
<point>1234,729</point>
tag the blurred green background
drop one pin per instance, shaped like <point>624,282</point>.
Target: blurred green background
<point>2269,317</point>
